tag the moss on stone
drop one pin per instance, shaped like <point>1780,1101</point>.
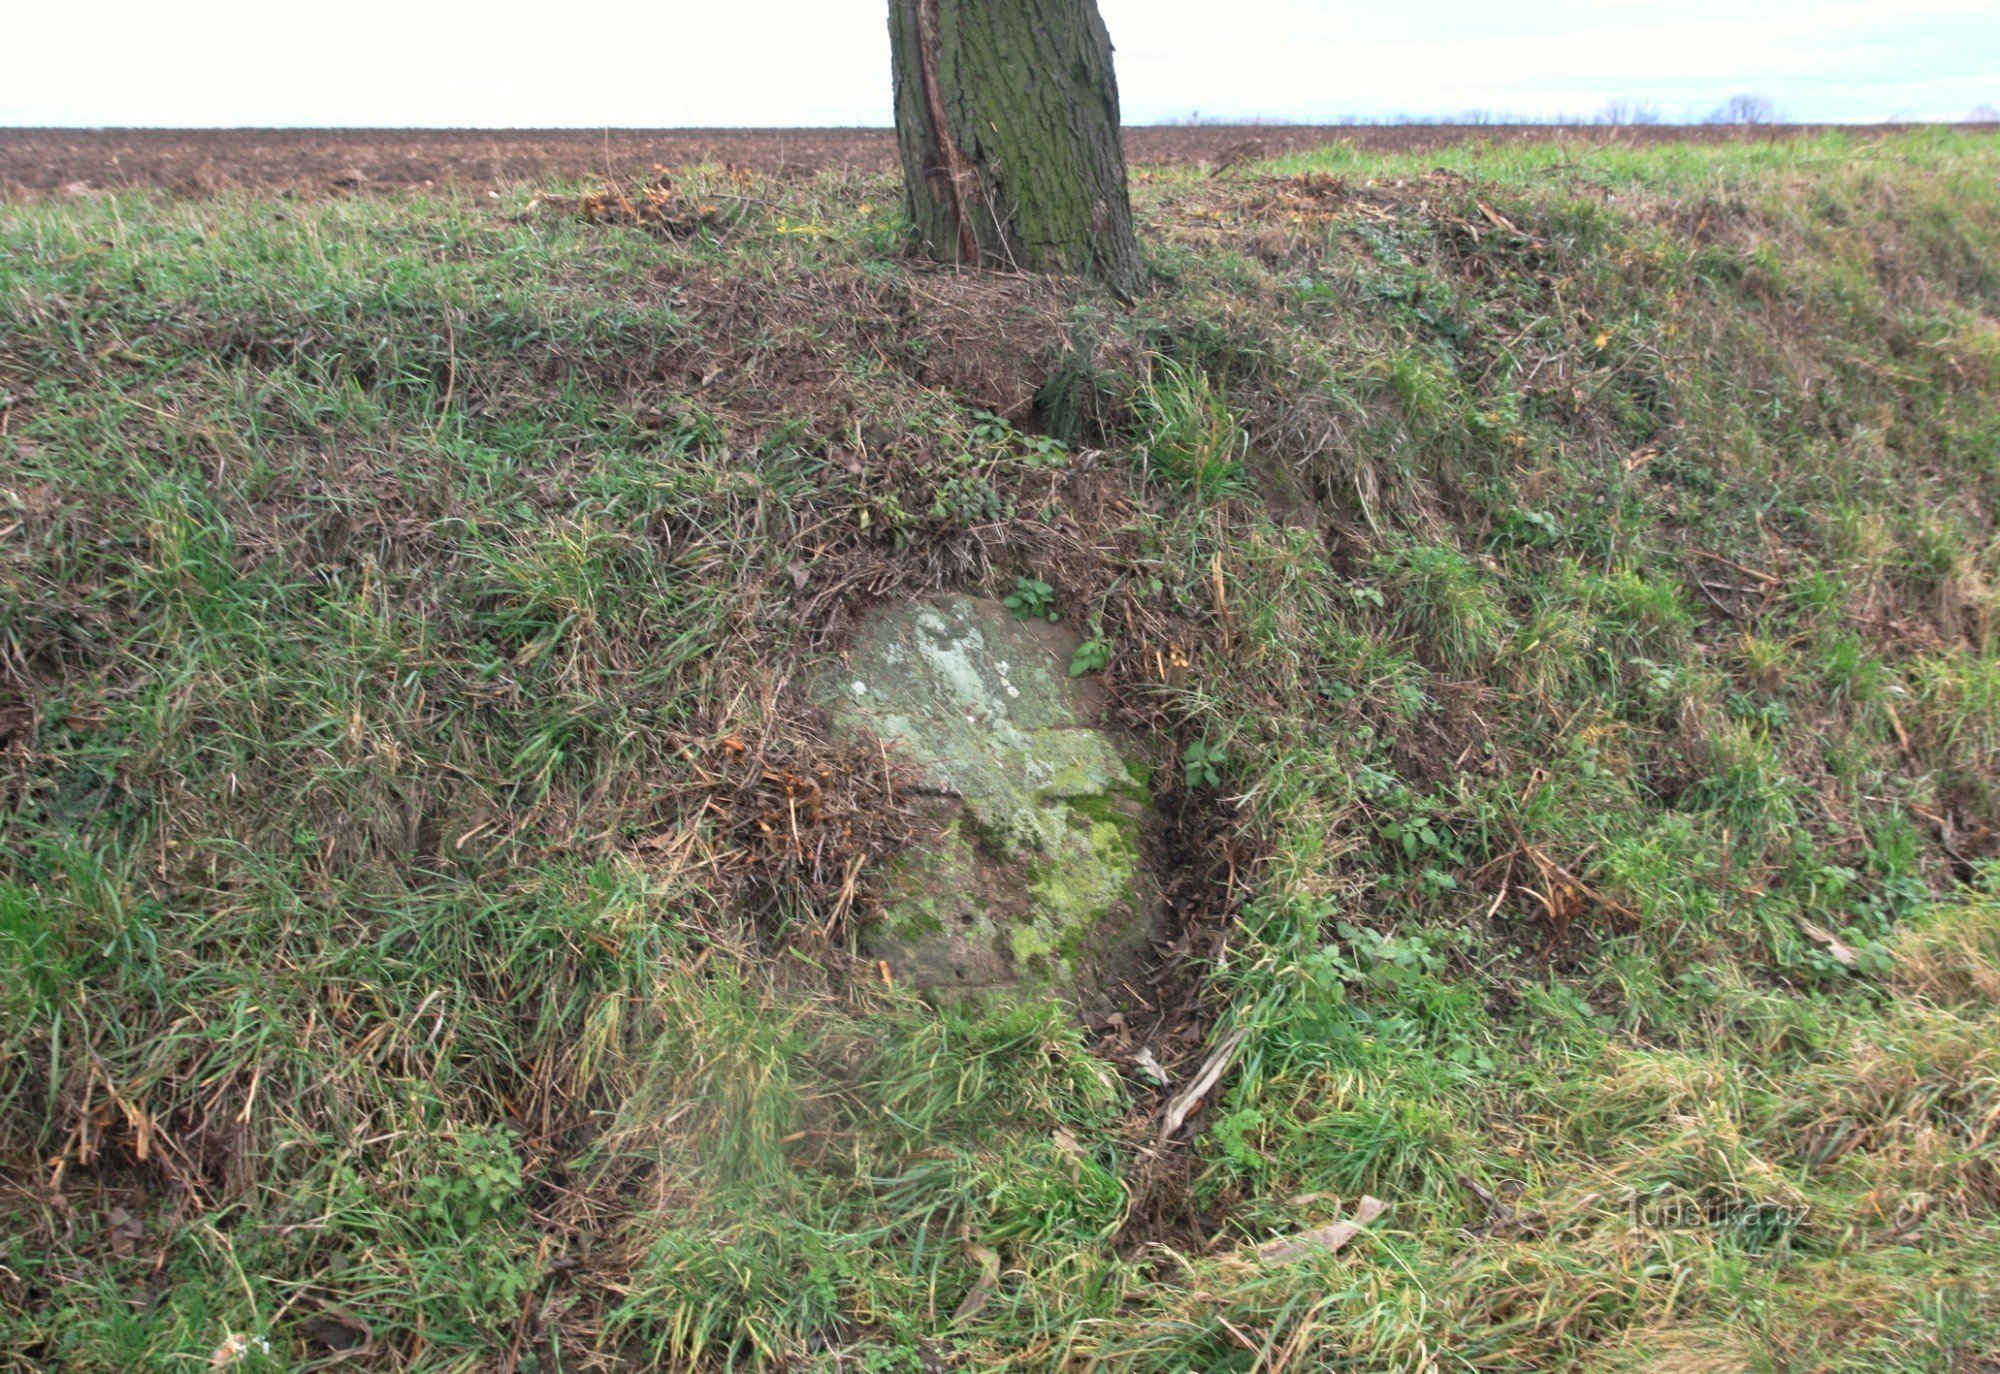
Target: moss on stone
<point>1029,943</point>
<point>1141,774</point>
<point>1098,810</point>
<point>913,919</point>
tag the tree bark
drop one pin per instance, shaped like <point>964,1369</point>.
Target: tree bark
<point>1007,121</point>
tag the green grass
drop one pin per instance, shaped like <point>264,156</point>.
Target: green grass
<point>1582,564</point>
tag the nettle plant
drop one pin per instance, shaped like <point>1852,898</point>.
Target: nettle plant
<point>973,482</point>
<point>1035,450</point>
<point>1418,835</point>
<point>479,1179</point>
<point>1204,763</point>
<point>1091,656</point>
<point>1372,958</point>
<point>1032,599</point>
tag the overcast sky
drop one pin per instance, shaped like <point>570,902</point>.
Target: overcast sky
<point>592,63</point>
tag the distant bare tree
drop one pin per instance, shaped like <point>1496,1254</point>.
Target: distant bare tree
<point>1983,114</point>
<point>1195,119</point>
<point>1744,108</point>
<point>1622,112</point>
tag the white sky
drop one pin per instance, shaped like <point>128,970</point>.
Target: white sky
<point>667,63</point>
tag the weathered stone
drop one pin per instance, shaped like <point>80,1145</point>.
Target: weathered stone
<point>1031,881</point>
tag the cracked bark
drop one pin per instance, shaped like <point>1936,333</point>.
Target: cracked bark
<point>1007,122</point>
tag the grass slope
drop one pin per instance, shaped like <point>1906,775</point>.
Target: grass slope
<point>424,908</point>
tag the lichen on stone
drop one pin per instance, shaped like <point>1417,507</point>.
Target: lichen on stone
<point>1031,879</point>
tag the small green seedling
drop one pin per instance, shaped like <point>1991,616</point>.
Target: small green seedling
<point>1036,450</point>
<point>1090,657</point>
<point>1416,836</point>
<point>1205,763</point>
<point>1042,451</point>
<point>989,428</point>
<point>1032,600</point>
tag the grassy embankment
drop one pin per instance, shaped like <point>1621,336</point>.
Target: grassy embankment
<point>1582,565</point>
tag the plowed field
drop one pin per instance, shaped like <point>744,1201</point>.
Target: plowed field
<point>196,161</point>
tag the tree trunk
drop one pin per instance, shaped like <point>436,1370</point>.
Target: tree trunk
<point>1007,120</point>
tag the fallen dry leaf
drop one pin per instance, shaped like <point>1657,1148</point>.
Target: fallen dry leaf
<point>126,1232</point>
<point>983,1286</point>
<point>1210,1074</point>
<point>1842,952</point>
<point>1327,1238</point>
<point>235,1348</point>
